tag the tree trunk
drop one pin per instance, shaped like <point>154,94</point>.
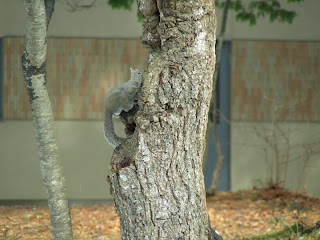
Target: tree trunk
<point>214,108</point>
<point>34,70</point>
<point>156,175</point>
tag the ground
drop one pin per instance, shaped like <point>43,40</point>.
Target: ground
<point>238,215</point>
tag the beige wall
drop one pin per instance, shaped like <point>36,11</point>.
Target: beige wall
<point>84,152</point>
<point>102,22</point>
<point>249,161</point>
<point>86,155</point>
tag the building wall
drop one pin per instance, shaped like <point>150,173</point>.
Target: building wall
<point>99,22</point>
<point>103,22</point>
<point>84,153</point>
<point>252,157</point>
<point>79,73</point>
<point>275,79</point>
<point>281,89</point>
<point>275,113</point>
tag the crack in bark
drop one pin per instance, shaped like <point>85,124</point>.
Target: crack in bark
<point>150,37</point>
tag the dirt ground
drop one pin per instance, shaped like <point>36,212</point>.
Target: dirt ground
<point>238,215</point>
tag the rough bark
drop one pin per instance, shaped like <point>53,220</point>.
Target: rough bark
<point>34,70</point>
<point>156,174</point>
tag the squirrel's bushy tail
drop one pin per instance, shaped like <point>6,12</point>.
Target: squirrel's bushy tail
<point>109,131</point>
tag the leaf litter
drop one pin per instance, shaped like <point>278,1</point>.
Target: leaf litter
<point>239,215</point>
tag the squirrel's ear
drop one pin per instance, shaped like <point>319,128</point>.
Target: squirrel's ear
<point>131,71</point>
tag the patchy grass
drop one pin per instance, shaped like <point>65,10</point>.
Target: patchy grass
<point>296,231</point>
<point>266,214</point>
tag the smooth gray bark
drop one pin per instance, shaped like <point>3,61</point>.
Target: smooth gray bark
<point>34,70</point>
<point>156,174</point>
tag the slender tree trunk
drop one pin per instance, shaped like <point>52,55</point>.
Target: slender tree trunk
<point>214,108</point>
<point>34,70</point>
<point>156,175</point>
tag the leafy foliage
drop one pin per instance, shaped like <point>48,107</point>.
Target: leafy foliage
<point>245,13</point>
<point>260,8</point>
<point>121,4</point>
<point>78,5</point>
<point>124,4</point>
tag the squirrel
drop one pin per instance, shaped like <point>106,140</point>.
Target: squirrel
<point>120,98</point>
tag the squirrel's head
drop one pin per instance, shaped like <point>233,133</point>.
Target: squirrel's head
<point>136,75</point>
<point>133,86</point>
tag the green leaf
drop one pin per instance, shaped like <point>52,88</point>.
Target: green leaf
<point>274,15</point>
<point>118,4</point>
<point>292,1</point>
<point>219,4</point>
<point>291,16</point>
<point>243,16</point>
<point>275,4</point>
<point>238,5</point>
<point>252,20</point>
<point>140,16</point>
<point>261,8</point>
<point>253,4</point>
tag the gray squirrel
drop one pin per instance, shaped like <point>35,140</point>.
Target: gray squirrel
<point>120,98</point>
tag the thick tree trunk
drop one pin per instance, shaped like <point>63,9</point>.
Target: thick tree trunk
<point>33,62</point>
<point>156,175</point>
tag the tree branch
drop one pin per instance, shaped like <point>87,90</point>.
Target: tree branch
<point>49,5</point>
